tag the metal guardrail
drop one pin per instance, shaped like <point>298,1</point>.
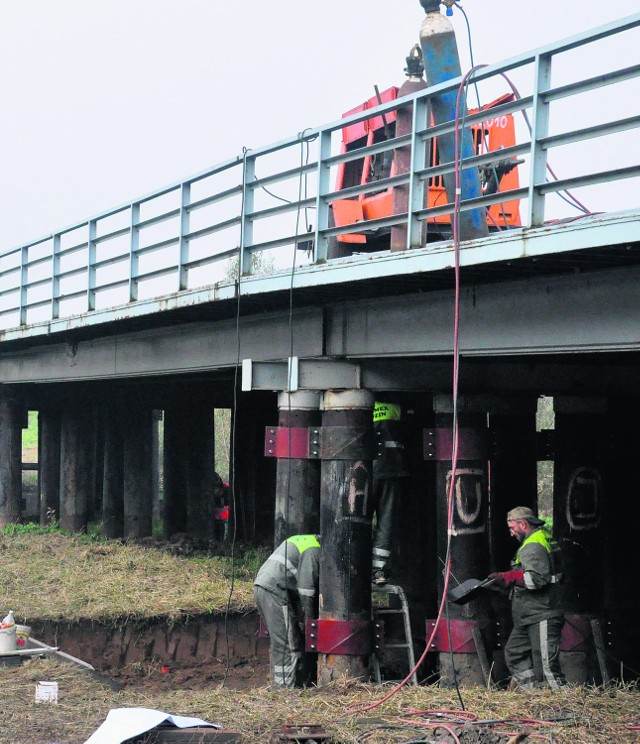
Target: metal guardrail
<point>208,227</point>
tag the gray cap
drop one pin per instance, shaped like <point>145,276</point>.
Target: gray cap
<point>523,512</point>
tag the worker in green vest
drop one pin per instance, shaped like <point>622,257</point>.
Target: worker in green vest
<point>390,468</point>
<point>532,652</point>
<point>286,592</point>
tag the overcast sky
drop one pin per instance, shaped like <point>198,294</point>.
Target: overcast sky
<point>106,100</point>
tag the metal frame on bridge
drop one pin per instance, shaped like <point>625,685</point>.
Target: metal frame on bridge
<point>173,247</point>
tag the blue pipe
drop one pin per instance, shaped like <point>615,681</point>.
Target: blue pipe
<point>441,63</point>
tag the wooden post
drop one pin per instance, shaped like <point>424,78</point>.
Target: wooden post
<point>297,510</point>
<point>75,468</point>
<point>175,456</point>
<point>469,549</point>
<point>138,507</point>
<point>10,460</point>
<point>199,472</point>
<point>113,484</point>
<point>345,524</point>
<point>49,464</point>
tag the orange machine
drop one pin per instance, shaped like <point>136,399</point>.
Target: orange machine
<point>494,134</point>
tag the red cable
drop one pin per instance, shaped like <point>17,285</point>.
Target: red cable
<point>454,455</point>
<point>575,199</point>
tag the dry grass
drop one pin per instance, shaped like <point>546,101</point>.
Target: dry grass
<point>51,576</point>
<point>579,715</point>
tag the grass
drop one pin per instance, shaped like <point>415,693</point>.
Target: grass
<point>47,575</point>
<point>30,439</point>
<point>575,715</point>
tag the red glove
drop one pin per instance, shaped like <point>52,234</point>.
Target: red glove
<point>508,578</point>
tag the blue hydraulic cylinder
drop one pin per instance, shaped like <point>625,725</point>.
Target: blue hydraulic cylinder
<point>441,63</point>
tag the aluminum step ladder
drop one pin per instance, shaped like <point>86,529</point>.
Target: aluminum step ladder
<point>379,613</point>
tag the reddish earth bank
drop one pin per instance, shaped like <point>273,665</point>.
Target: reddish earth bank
<point>194,652</point>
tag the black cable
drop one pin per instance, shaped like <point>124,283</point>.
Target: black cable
<point>235,417</point>
<point>304,141</point>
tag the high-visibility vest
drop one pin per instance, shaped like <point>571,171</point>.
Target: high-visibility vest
<point>386,412</point>
<point>550,545</point>
<point>304,542</point>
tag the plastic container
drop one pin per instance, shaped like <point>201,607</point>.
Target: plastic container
<point>23,632</point>
<point>8,640</point>
<point>46,692</point>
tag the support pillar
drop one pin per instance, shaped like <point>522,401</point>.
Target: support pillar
<point>176,439</point>
<point>345,524</point>
<point>10,460</point>
<point>297,510</point>
<point>138,505</point>
<point>49,464</point>
<point>469,548</point>
<point>97,465</point>
<point>252,476</point>
<point>113,483</point>
<point>155,465</point>
<point>513,482</point>
<point>581,450</point>
<point>199,473</point>
<point>513,469</point>
<point>75,468</point>
<point>620,537</point>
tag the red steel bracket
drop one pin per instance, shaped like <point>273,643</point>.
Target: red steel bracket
<point>461,635</point>
<point>576,633</point>
<point>286,442</point>
<point>343,637</point>
<point>319,442</point>
<point>473,444</point>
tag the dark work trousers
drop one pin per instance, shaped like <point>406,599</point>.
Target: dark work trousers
<point>386,491</point>
<point>287,642</point>
<point>532,654</point>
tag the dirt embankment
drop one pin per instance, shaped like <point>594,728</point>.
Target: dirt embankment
<point>193,653</point>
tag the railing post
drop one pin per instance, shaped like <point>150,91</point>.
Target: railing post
<point>246,226</point>
<point>320,241</point>
<point>134,243</point>
<point>91,265</point>
<point>539,130</point>
<point>55,277</point>
<point>24,279</point>
<point>416,232</point>
<point>183,254</point>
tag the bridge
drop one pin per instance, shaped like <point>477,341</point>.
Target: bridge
<point>235,288</point>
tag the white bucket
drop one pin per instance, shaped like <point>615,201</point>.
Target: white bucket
<point>23,632</point>
<point>8,639</point>
<point>46,692</point>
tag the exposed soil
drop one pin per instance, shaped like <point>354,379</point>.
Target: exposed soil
<point>155,655</point>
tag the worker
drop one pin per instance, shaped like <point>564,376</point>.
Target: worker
<point>390,468</point>
<point>533,650</point>
<point>220,508</point>
<point>286,592</point>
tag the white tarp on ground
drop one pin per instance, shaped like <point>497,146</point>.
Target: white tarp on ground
<point>125,723</point>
